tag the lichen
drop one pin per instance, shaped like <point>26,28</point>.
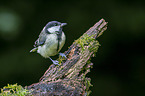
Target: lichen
<point>13,90</point>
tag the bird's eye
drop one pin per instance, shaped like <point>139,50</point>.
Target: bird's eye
<point>55,24</point>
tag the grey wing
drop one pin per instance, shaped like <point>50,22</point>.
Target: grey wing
<point>41,40</point>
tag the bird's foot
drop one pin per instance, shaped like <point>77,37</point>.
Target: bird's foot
<point>55,62</point>
<point>62,55</point>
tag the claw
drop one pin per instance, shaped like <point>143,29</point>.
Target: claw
<point>62,55</point>
<point>55,62</point>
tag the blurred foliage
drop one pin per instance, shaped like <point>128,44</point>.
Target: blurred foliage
<point>119,65</point>
<point>9,24</point>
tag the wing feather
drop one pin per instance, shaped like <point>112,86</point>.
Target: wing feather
<point>41,40</point>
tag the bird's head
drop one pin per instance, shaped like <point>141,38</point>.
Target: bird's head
<point>54,26</point>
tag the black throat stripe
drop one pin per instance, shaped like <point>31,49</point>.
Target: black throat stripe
<point>59,35</point>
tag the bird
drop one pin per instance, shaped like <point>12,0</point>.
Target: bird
<point>50,41</point>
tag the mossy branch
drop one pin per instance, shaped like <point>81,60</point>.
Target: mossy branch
<point>69,79</point>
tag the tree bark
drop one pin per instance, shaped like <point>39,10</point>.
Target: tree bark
<point>69,79</point>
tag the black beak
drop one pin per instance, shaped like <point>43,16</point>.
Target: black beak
<point>63,24</point>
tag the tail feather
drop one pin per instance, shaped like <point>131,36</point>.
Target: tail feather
<point>34,49</point>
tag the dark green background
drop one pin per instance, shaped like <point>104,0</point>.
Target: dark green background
<point>119,65</point>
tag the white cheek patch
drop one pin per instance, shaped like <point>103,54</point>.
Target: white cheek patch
<point>53,29</point>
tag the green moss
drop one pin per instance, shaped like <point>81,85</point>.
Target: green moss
<point>60,59</point>
<point>13,90</point>
<point>87,40</point>
<point>88,85</point>
<point>92,44</point>
<point>94,48</point>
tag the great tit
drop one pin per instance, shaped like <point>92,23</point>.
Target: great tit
<point>50,41</point>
